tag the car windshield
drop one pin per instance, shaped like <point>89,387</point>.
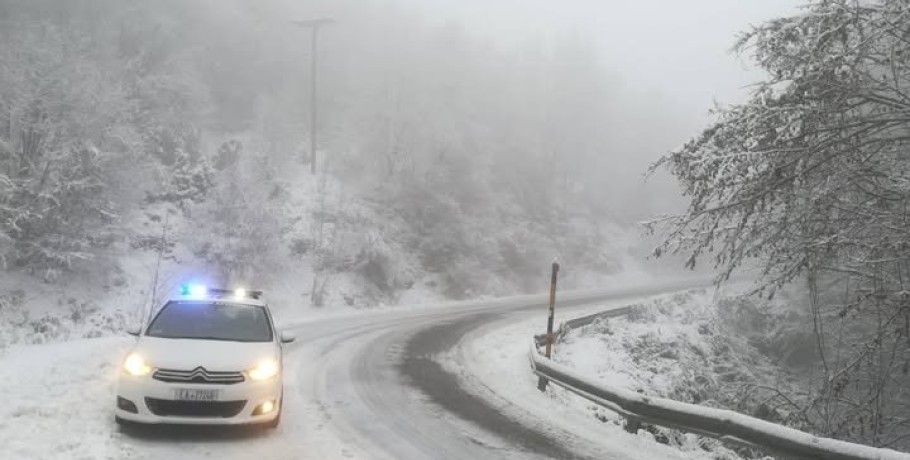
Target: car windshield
<point>211,321</point>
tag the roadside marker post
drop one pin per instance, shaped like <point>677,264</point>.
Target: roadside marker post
<point>542,382</point>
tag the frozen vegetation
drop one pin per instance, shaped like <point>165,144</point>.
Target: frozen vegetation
<point>807,180</point>
<point>142,141</point>
<point>695,347</point>
<point>493,363</point>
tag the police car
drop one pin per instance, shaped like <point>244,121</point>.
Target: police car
<point>209,356</point>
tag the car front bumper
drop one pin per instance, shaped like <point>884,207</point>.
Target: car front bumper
<point>235,405</point>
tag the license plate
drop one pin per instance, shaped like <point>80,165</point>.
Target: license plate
<point>194,394</point>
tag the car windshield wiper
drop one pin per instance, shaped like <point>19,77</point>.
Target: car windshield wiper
<point>225,339</point>
<point>196,337</point>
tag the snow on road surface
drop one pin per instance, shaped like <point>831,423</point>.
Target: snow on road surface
<point>356,388</point>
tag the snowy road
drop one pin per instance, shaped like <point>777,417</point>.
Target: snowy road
<point>385,385</point>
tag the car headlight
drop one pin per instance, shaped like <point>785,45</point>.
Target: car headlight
<point>136,365</point>
<point>265,370</point>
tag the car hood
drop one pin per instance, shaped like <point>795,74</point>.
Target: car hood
<point>213,355</point>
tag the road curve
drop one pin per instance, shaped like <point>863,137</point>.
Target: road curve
<point>370,387</point>
<point>400,384</point>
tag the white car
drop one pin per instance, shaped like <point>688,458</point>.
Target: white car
<point>209,356</point>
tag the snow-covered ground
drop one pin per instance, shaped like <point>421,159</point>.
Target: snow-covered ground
<point>493,362</point>
<point>58,399</point>
<point>673,347</point>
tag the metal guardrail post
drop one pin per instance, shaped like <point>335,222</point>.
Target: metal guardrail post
<point>542,382</point>
<point>632,425</point>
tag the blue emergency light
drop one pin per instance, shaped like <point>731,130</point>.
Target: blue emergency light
<point>199,290</point>
<point>194,290</point>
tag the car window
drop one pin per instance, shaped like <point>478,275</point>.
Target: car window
<point>212,321</point>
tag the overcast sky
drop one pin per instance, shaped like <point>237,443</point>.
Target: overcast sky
<point>669,61</point>
<point>679,48</point>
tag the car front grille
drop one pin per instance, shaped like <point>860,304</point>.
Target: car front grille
<point>198,375</point>
<point>171,408</point>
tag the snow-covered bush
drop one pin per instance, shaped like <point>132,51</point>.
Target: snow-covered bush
<point>381,265</point>
<point>187,174</point>
<point>778,329</point>
<point>12,301</point>
<point>228,154</point>
<point>682,348</point>
<point>242,237</point>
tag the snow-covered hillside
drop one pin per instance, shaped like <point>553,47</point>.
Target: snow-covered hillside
<point>307,233</point>
<point>158,149</point>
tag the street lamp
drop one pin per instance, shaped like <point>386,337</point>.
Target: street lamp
<point>314,25</point>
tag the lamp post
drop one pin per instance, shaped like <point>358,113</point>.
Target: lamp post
<point>314,25</point>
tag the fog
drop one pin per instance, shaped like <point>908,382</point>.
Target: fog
<point>448,134</point>
<point>676,48</point>
<point>436,163</point>
<point>658,67</point>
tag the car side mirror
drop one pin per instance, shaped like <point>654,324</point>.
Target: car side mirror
<point>133,330</point>
<point>287,337</point>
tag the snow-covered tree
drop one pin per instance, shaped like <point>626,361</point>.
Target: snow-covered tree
<point>60,126</point>
<point>810,179</point>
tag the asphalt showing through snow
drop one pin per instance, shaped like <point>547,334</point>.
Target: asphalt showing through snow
<point>373,386</point>
<point>427,374</point>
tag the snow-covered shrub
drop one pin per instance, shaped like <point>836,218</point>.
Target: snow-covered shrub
<point>238,231</point>
<point>64,222</point>
<point>228,154</point>
<point>301,245</point>
<point>12,299</point>
<point>187,174</point>
<point>681,347</point>
<point>377,268</point>
<point>642,313</point>
<point>55,213</point>
<point>379,264</point>
<point>778,331</point>
<point>465,279</point>
<point>80,310</point>
<point>523,257</point>
<point>442,240</point>
<point>46,328</point>
<point>52,327</point>
<point>600,327</point>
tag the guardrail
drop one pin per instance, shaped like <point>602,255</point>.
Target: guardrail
<point>725,425</point>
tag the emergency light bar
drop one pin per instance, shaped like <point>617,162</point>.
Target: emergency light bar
<point>197,290</point>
